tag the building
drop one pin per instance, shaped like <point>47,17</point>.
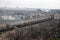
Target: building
<point>56,16</point>
<point>7,17</point>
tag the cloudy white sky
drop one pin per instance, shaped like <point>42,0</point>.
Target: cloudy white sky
<point>54,4</point>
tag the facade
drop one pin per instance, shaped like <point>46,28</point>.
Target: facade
<point>7,17</point>
<point>56,16</point>
<point>19,17</point>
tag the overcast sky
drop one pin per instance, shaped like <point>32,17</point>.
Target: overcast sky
<point>54,4</point>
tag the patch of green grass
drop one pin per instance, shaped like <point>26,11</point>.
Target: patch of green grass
<point>57,38</point>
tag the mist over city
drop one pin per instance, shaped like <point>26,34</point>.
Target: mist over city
<point>29,19</point>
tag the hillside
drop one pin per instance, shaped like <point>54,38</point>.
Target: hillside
<point>40,31</point>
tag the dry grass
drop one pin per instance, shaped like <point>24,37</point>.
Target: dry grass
<point>31,32</point>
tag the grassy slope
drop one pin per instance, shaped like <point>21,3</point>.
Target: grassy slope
<point>31,32</point>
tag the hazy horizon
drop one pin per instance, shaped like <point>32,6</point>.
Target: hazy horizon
<point>46,4</point>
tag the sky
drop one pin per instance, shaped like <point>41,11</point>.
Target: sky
<point>46,4</point>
